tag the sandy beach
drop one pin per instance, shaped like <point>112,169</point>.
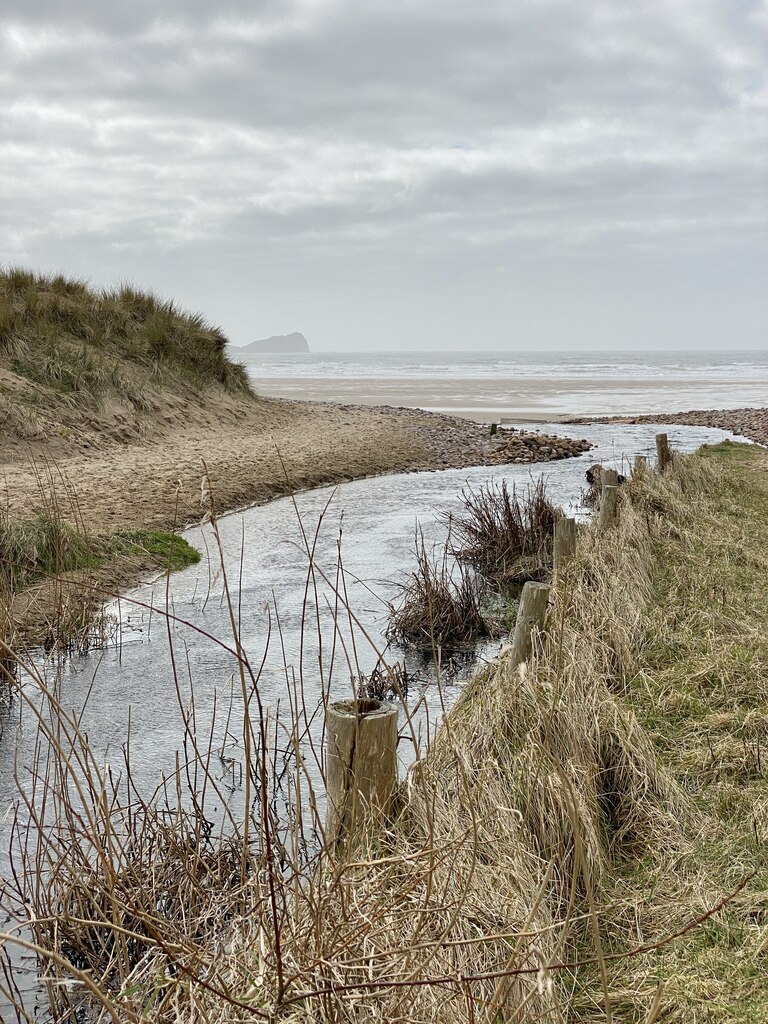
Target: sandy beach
<point>523,399</point>
<point>251,451</point>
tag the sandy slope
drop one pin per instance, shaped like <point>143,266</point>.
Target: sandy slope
<point>155,481</point>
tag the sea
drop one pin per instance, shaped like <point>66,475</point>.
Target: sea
<point>518,386</point>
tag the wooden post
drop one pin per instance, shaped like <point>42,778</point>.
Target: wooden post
<point>663,452</point>
<point>609,506</point>
<point>610,477</point>
<point>641,465</point>
<point>360,764</point>
<point>565,542</point>
<point>530,619</point>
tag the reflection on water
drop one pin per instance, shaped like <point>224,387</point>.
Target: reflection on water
<point>292,623</point>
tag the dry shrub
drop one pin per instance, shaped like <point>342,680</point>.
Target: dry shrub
<point>506,537</point>
<point>385,682</point>
<point>439,606</point>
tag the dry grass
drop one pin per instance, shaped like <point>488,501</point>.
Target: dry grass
<point>571,818</point>
<point>505,537</point>
<point>439,607</point>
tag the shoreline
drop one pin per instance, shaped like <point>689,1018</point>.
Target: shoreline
<point>509,399</point>
<point>748,422</point>
<point>266,449</point>
<point>242,454</point>
<point>258,451</point>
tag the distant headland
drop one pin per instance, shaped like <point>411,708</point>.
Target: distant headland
<point>295,342</point>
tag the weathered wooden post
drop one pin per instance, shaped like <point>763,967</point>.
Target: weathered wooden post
<point>531,616</point>
<point>610,477</point>
<point>494,429</point>
<point>609,506</point>
<point>360,764</point>
<point>564,543</point>
<point>640,466</point>
<point>663,452</point>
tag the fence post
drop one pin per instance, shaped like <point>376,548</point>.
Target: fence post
<point>609,506</point>
<point>610,477</point>
<point>530,619</point>
<point>663,452</point>
<point>565,542</point>
<point>640,466</point>
<point>360,764</point>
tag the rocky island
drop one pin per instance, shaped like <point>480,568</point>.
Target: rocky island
<point>292,343</point>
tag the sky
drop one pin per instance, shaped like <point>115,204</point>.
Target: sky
<point>415,175</point>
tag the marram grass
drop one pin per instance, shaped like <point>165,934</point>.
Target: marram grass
<point>81,346</point>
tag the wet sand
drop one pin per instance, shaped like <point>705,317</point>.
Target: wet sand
<point>524,398</point>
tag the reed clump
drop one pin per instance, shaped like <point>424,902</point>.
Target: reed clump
<point>506,537</point>
<point>439,606</point>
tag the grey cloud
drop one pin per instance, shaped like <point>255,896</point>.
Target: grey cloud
<point>371,134</point>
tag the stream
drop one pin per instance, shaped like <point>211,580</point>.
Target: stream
<point>294,628</point>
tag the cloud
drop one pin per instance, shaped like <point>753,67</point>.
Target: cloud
<point>364,130</point>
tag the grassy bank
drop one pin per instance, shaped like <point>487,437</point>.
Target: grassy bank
<point>53,575</point>
<point>74,359</point>
<point>583,842</point>
<point>597,810</point>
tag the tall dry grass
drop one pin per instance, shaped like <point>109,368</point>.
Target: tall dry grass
<point>494,894</point>
<point>507,538</point>
<point>439,604</point>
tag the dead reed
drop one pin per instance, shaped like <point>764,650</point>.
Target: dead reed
<point>439,606</point>
<point>507,538</point>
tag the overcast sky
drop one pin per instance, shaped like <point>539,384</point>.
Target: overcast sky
<point>498,174</point>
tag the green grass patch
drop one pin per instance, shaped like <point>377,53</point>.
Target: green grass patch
<point>31,549</point>
<point>702,695</point>
<point>44,546</point>
<point>167,550</point>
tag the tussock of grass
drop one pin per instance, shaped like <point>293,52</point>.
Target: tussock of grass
<point>505,537</point>
<point>439,606</point>
<point>40,546</point>
<point>83,345</point>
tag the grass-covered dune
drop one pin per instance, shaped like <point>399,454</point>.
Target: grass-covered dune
<point>70,353</point>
